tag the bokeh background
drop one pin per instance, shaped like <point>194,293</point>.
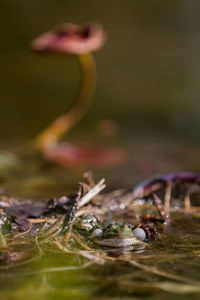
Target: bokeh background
<point>148,81</point>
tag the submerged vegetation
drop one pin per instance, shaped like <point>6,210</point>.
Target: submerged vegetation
<point>123,226</point>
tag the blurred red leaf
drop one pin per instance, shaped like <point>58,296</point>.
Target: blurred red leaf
<point>67,154</point>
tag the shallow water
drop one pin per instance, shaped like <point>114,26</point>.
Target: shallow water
<point>148,82</point>
<point>63,275</point>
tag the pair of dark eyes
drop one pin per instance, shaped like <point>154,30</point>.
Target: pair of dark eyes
<point>110,226</point>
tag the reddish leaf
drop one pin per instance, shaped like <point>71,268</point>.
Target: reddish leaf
<point>66,154</point>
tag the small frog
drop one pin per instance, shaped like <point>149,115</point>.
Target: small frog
<point>115,234</point>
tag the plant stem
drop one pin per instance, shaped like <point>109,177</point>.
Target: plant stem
<point>49,136</point>
<point>2,239</point>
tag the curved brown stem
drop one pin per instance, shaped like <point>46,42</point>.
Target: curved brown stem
<point>49,136</point>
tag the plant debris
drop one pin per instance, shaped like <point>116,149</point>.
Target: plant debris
<point>101,228</point>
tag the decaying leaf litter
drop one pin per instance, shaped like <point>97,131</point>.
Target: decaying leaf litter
<point>158,206</point>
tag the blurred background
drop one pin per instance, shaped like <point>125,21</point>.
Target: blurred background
<point>148,86</point>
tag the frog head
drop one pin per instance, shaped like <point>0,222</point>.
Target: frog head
<point>115,234</point>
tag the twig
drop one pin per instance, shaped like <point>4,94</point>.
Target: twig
<point>155,271</point>
<point>161,207</point>
<point>89,210</point>
<point>55,228</point>
<point>24,232</point>
<point>92,193</point>
<point>187,202</point>
<point>2,239</point>
<point>72,215</point>
<point>38,220</point>
<point>167,196</point>
<point>79,241</point>
<point>87,254</point>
